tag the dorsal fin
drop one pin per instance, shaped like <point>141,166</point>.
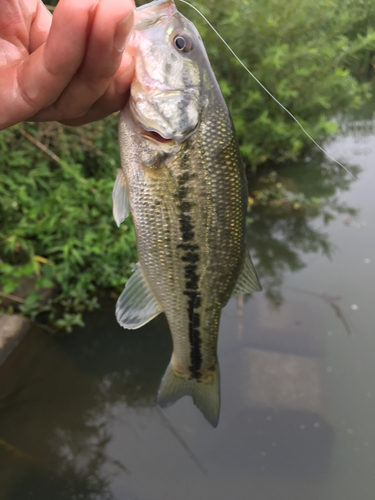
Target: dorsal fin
<point>120,197</point>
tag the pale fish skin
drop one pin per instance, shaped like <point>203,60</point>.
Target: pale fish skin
<point>183,180</point>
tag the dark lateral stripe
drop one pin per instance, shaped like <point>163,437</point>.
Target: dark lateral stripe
<point>190,257</point>
<point>186,227</point>
<point>187,246</point>
<point>194,334</point>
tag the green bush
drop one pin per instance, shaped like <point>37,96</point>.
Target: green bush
<point>56,219</point>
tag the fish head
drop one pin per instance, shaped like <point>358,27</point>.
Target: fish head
<point>167,94</point>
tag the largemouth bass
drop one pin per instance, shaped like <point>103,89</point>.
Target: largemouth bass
<point>184,182</point>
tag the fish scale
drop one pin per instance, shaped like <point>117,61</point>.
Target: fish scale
<point>188,195</point>
<point>216,191</point>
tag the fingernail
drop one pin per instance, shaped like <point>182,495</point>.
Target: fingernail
<point>122,31</point>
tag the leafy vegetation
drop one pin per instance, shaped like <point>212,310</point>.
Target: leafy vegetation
<point>55,214</point>
<point>56,223</point>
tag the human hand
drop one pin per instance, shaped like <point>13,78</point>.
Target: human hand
<point>71,67</point>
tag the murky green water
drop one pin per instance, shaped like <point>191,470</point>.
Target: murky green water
<point>78,415</point>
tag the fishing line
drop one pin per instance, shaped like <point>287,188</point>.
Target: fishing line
<point>268,92</point>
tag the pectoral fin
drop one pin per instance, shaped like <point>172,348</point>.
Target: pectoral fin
<point>136,306</point>
<point>120,197</point>
<point>247,281</point>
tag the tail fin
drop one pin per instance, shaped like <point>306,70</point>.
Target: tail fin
<point>205,393</point>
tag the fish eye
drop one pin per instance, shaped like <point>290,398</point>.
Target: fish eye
<point>183,43</point>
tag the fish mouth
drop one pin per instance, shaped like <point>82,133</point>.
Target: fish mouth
<point>151,134</point>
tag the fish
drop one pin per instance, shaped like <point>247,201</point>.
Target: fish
<point>183,180</point>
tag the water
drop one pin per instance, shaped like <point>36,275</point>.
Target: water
<point>78,414</point>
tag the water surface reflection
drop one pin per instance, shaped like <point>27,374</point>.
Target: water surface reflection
<point>280,237</point>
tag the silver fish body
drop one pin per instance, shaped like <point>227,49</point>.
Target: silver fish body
<point>184,180</point>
